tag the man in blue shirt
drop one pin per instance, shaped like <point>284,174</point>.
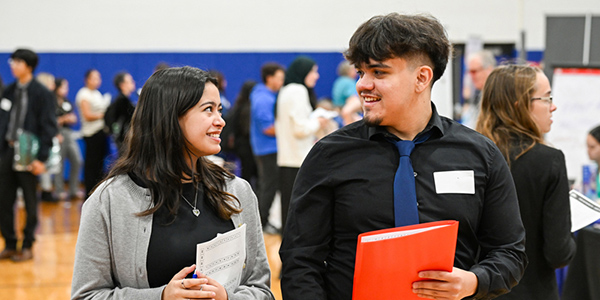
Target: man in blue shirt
<point>344,94</point>
<point>262,135</point>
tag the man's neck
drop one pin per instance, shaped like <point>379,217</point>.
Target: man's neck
<point>272,89</point>
<point>25,78</point>
<point>412,123</point>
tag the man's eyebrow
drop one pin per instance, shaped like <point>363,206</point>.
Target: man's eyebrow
<point>378,65</point>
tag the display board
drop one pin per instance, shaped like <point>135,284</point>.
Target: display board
<point>576,93</point>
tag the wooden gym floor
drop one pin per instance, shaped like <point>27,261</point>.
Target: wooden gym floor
<point>48,275</point>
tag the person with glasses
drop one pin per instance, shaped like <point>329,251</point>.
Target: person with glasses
<point>479,66</point>
<point>516,112</point>
<point>25,106</point>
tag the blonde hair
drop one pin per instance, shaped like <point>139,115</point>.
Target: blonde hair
<point>505,109</point>
<point>47,80</point>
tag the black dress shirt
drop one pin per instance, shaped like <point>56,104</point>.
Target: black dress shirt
<point>540,177</point>
<point>345,187</point>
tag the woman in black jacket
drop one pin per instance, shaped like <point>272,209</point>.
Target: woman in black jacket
<point>516,111</point>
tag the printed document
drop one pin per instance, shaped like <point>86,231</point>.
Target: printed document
<point>584,211</point>
<point>223,257</point>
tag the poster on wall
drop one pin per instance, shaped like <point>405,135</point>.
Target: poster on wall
<point>576,93</point>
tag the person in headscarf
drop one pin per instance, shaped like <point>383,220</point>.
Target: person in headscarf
<point>294,127</point>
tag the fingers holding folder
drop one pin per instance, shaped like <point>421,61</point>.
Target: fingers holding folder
<point>446,285</point>
<point>396,259</point>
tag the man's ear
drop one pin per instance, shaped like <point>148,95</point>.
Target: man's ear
<point>424,77</point>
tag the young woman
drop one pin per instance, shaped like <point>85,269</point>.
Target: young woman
<point>294,129</point>
<point>140,227</point>
<point>119,112</point>
<point>92,106</point>
<point>516,111</point>
<point>239,137</point>
<point>69,149</point>
<point>593,150</point>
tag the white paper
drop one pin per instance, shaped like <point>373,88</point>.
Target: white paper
<point>583,210</point>
<point>454,182</point>
<point>396,234</point>
<point>321,112</point>
<point>223,257</point>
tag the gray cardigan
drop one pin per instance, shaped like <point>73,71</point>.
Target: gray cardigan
<point>110,257</point>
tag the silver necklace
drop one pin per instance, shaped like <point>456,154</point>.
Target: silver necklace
<point>195,210</point>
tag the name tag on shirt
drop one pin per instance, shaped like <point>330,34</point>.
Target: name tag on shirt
<point>454,182</point>
<point>5,104</point>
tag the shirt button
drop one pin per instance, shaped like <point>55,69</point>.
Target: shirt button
<point>144,229</point>
<point>140,270</point>
<point>415,174</point>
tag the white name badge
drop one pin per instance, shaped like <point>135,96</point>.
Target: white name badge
<point>5,104</point>
<point>454,182</point>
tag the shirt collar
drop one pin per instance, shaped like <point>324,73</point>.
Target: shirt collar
<point>24,85</point>
<point>435,124</point>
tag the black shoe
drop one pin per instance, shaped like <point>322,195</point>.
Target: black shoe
<point>48,197</point>
<point>7,253</point>
<point>270,229</point>
<point>24,255</point>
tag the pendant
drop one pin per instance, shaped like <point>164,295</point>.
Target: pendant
<point>196,212</point>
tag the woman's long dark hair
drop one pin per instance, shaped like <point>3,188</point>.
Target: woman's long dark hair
<point>155,145</point>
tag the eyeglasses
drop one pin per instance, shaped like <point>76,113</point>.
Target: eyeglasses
<point>12,61</point>
<point>546,99</point>
<point>473,71</point>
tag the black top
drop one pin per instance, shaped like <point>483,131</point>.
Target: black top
<point>345,187</point>
<point>173,245</point>
<point>540,177</point>
<point>65,108</point>
<point>40,118</point>
<point>118,117</point>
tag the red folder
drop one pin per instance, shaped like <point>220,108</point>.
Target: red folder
<point>388,261</point>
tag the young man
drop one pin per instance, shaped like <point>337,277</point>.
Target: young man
<point>25,105</point>
<point>262,137</point>
<point>346,184</point>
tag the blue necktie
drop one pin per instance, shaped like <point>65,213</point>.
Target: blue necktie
<point>405,195</point>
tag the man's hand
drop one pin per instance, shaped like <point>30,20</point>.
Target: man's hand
<point>37,167</point>
<point>446,285</point>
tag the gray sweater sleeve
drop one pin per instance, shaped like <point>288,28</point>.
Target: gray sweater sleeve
<point>103,269</point>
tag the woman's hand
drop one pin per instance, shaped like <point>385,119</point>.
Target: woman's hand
<point>183,288</point>
<point>213,286</point>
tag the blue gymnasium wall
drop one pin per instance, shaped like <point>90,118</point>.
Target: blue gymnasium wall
<point>237,67</point>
